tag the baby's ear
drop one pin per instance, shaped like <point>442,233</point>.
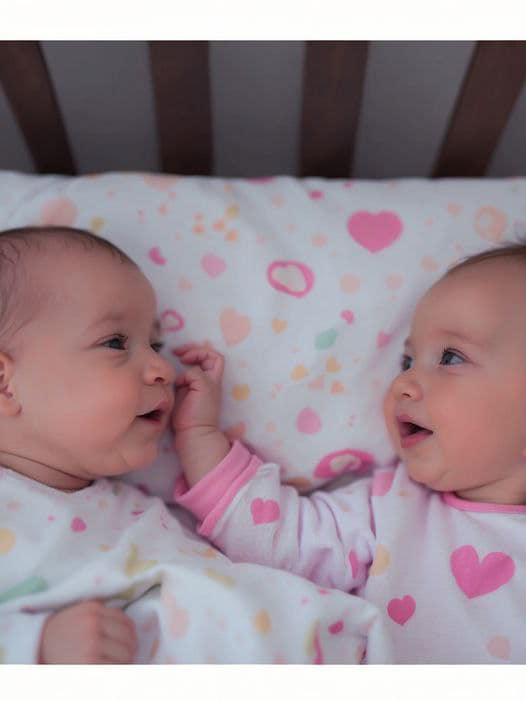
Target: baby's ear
<point>9,405</point>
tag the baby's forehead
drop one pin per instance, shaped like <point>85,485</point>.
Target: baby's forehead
<point>478,300</point>
<point>494,277</point>
<point>58,280</point>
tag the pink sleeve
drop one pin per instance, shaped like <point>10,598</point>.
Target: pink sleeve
<point>327,537</point>
<point>210,497</point>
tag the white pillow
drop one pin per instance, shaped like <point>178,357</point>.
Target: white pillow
<point>307,287</point>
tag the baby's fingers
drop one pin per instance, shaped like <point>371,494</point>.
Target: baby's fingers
<point>192,379</point>
<point>120,636</point>
<point>180,350</point>
<point>210,361</point>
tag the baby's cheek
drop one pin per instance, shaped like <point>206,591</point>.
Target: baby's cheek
<point>469,434</point>
<point>388,406</point>
<point>389,415</point>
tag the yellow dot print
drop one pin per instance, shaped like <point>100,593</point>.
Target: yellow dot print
<point>7,540</point>
<point>240,392</point>
<point>223,579</point>
<point>279,325</point>
<point>332,365</point>
<point>97,224</point>
<point>299,372</point>
<point>337,388</point>
<point>262,622</point>
<point>381,561</point>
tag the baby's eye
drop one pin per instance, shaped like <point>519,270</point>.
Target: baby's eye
<point>120,340</point>
<point>405,363</point>
<point>448,355</point>
<point>158,346</point>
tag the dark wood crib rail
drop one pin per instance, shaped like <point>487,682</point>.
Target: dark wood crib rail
<point>333,80</point>
<point>491,86</point>
<point>28,87</point>
<point>181,85</point>
<point>334,74</point>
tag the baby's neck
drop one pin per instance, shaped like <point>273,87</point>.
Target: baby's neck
<point>40,472</point>
<point>509,491</point>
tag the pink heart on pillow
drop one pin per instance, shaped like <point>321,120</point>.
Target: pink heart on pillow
<point>340,461</point>
<point>374,231</point>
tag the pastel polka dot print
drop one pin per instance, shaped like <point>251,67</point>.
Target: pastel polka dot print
<point>307,286</point>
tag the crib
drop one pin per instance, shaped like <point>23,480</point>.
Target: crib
<point>290,202</point>
<point>331,109</point>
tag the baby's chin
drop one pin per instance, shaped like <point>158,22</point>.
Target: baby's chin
<point>126,463</point>
<point>430,477</point>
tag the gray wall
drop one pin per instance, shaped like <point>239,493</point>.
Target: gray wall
<point>105,94</point>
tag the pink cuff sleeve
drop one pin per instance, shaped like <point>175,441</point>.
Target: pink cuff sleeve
<point>209,498</point>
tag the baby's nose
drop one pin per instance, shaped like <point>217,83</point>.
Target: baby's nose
<point>406,385</point>
<point>163,371</point>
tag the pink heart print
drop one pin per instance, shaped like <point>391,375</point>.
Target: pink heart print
<point>171,320</point>
<point>476,578</point>
<point>382,339</point>
<point>347,315</point>
<point>336,628</point>
<point>340,461</point>
<point>78,525</point>
<point>264,511</point>
<point>374,231</point>
<point>213,265</point>
<point>156,256</point>
<point>401,610</point>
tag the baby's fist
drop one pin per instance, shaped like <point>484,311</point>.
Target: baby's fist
<point>88,633</point>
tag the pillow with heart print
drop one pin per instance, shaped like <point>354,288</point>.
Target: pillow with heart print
<point>307,287</point>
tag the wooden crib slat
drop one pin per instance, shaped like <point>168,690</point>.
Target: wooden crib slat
<point>332,94</point>
<point>181,82</point>
<point>28,87</point>
<point>491,86</point>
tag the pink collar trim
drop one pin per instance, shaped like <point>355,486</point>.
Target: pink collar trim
<point>482,507</point>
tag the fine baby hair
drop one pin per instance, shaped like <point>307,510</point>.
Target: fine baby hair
<point>508,249</point>
<point>16,300</point>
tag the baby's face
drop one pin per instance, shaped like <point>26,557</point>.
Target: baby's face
<point>464,379</point>
<point>88,366</point>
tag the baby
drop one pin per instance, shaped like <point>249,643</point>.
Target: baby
<point>84,394</point>
<point>437,541</point>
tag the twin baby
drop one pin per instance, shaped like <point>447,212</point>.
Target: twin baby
<point>435,543</point>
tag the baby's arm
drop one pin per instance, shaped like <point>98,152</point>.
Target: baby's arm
<point>199,443</point>
<point>244,509</point>
<point>326,537</point>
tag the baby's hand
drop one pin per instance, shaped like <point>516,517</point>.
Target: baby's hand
<point>198,389</point>
<point>88,633</point>
<point>199,443</point>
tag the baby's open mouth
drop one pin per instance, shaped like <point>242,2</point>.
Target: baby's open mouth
<point>411,432</point>
<point>154,415</point>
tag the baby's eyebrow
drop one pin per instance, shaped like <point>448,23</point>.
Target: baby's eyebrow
<point>452,334</point>
<point>119,316</point>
